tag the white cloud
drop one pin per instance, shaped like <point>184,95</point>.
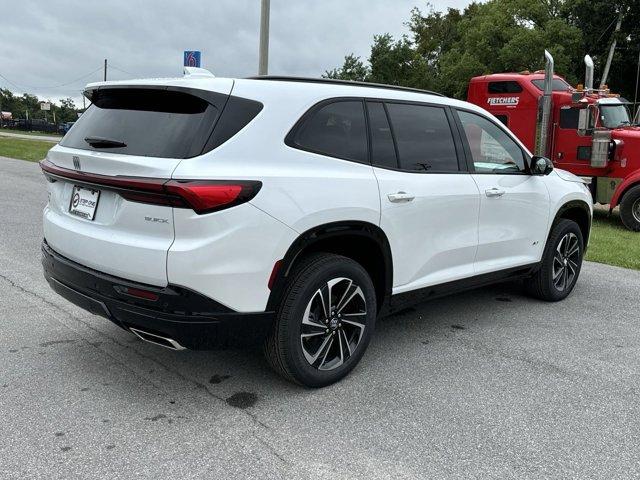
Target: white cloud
<point>47,44</point>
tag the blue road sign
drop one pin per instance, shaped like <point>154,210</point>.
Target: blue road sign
<point>192,58</point>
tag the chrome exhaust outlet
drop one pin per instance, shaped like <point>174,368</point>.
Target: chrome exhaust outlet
<point>588,75</point>
<point>544,108</point>
<point>156,339</point>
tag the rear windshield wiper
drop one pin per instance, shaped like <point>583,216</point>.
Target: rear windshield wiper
<point>100,142</point>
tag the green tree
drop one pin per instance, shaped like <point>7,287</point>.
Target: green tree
<point>30,103</point>
<point>391,62</point>
<point>446,49</point>
<point>596,20</point>
<point>397,63</point>
<point>352,69</point>
<point>507,36</point>
<point>67,112</point>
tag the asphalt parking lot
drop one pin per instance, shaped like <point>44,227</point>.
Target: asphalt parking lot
<point>486,384</point>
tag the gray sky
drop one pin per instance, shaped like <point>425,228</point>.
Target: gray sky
<point>48,43</point>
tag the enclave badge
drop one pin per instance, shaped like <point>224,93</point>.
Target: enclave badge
<point>156,219</point>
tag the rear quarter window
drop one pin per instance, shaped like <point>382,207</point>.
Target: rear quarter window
<point>504,87</point>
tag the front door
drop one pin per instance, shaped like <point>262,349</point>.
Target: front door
<point>514,205</point>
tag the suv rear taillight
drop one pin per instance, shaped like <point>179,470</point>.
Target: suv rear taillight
<point>206,196</point>
<point>203,196</point>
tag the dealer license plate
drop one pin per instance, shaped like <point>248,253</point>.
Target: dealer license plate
<point>84,202</point>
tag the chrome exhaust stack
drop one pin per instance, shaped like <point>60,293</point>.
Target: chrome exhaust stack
<point>156,339</point>
<point>588,75</point>
<point>544,108</point>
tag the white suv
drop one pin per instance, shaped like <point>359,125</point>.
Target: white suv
<point>200,211</point>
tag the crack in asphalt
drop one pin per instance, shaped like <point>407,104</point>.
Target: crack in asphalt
<point>199,385</point>
<point>544,366</point>
<point>71,316</point>
<point>271,448</point>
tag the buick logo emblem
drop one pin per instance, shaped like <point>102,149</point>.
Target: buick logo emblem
<point>76,162</point>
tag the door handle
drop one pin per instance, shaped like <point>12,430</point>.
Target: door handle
<point>400,197</point>
<point>494,192</point>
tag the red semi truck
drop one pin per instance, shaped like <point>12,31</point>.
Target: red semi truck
<point>585,130</point>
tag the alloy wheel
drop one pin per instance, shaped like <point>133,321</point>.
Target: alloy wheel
<point>333,324</point>
<point>565,262</point>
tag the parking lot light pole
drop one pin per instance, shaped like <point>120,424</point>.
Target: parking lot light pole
<point>263,63</point>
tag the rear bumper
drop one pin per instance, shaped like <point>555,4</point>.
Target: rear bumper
<point>186,317</point>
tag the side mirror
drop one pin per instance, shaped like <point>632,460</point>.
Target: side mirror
<point>541,166</point>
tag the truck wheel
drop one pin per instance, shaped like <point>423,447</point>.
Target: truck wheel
<point>324,322</point>
<point>630,209</point>
<point>561,263</point>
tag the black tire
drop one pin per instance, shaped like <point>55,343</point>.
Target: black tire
<point>545,283</point>
<point>285,348</point>
<point>630,209</point>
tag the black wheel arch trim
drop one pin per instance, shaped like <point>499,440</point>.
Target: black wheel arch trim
<point>306,241</point>
<point>570,205</point>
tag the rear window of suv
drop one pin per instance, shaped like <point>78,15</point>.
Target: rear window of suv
<point>159,122</point>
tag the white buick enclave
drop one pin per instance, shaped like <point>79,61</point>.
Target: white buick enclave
<point>200,211</point>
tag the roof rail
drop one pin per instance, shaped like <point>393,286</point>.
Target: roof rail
<point>351,83</point>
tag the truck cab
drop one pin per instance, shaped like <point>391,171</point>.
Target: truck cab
<point>590,131</point>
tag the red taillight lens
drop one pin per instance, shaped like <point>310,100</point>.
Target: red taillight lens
<point>206,196</point>
<point>203,196</point>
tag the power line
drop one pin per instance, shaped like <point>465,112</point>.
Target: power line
<point>19,86</point>
<point>121,70</point>
<point>606,29</point>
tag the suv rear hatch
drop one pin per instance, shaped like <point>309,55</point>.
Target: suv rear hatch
<point>110,202</point>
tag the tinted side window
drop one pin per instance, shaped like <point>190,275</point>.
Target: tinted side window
<point>383,152</point>
<point>504,87</point>
<point>424,139</point>
<point>492,150</point>
<point>237,114</point>
<point>569,118</point>
<point>337,129</point>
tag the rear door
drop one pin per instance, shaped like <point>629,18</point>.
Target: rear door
<point>514,205</point>
<point>135,134</point>
<point>429,202</point>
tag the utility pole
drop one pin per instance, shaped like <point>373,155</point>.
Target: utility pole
<point>105,69</point>
<point>612,49</point>
<point>263,64</point>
